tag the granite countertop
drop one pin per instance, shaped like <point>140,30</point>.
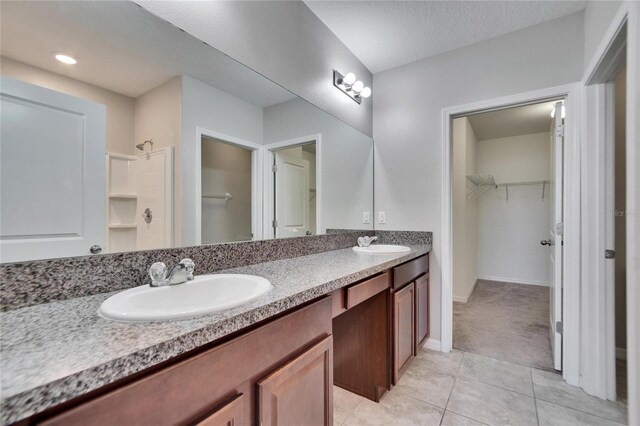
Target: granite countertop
<point>53,352</point>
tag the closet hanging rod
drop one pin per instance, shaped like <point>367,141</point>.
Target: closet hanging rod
<point>225,196</point>
<point>533,182</point>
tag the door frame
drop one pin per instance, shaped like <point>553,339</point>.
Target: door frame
<point>571,265</point>
<point>256,176</point>
<point>598,317</point>
<point>269,181</point>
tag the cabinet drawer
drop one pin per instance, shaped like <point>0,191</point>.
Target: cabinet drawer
<point>360,292</point>
<point>407,272</point>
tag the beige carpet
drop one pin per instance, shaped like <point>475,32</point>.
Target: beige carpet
<point>505,321</point>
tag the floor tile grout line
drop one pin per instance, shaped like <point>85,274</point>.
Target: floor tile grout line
<point>466,417</point>
<point>581,411</point>
<point>469,379</point>
<point>535,401</point>
<point>504,360</point>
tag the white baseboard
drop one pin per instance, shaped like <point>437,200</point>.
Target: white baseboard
<point>621,353</point>
<point>433,344</point>
<point>465,299</point>
<point>514,280</point>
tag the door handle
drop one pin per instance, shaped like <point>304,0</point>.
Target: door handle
<point>547,242</point>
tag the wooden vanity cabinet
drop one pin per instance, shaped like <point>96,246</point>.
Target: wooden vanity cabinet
<point>410,302</point>
<point>422,312</point>
<point>403,329</point>
<point>280,370</point>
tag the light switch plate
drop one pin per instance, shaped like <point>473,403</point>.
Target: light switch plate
<point>366,217</point>
<point>381,217</point>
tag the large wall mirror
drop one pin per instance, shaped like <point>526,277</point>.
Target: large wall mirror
<point>153,139</point>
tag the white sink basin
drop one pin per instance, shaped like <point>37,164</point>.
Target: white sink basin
<point>203,295</point>
<point>382,249</point>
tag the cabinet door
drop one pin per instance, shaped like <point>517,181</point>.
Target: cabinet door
<point>403,329</point>
<point>422,311</point>
<point>301,391</point>
<point>231,414</point>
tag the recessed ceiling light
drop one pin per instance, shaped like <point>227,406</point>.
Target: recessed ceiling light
<point>65,59</point>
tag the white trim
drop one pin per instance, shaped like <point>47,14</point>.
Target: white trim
<point>633,205</point>
<point>572,240</point>
<point>268,179</point>
<point>447,116</point>
<point>596,63</point>
<point>598,350</point>
<point>465,299</point>
<point>433,345</point>
<point>514,280</point>
<point>256,177</point>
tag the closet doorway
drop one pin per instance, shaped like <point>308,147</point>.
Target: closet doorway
<point>506,243</point>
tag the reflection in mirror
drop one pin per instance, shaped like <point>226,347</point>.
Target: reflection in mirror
<point>153,139</point>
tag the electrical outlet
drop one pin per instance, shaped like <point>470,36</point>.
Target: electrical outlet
<point>381,217</point>
<point>365,218</point>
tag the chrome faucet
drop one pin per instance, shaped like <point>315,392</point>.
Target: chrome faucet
<point>366,241</point>
<point>179,274</point>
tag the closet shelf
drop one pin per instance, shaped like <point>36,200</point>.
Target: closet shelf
<point>544,184</point>
<point>482,184</point>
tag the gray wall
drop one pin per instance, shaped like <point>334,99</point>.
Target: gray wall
<point>284,41</point>
<point>347,163</point>
<point>408,114</point>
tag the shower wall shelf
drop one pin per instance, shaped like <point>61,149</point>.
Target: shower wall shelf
<point>544,184</point>
<point>124,196</point>
<point>121,202</point>
<point>481,185</point>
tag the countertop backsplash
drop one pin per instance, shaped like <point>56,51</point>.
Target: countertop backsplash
<point>35,282</point>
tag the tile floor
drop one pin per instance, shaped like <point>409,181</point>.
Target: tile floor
<point>462,388</point>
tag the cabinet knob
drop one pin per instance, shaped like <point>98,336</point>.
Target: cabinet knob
<point>547,242</point>
<point>95,249</point>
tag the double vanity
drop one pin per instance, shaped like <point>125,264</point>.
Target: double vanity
<point>340,317</point>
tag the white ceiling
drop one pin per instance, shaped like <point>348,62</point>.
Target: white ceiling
<point>123,48</point>
<point>387,34</point>
<point>516,121</point>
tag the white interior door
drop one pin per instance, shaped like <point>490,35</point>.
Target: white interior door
<point>52,173</point>
<point>555,238</point>
<point>291,196</point>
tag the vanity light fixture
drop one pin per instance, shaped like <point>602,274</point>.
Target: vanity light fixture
<point>65,59</point>
<point>348,84</point>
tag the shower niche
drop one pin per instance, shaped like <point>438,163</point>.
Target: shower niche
<point>121,203</point>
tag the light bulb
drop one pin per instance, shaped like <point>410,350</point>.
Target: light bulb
<point>358,86</point>
<point>366,92</point>
<point>66,59</point>
<point>349,79</point>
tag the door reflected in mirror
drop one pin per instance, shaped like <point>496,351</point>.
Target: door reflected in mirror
<point>295,191</point>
